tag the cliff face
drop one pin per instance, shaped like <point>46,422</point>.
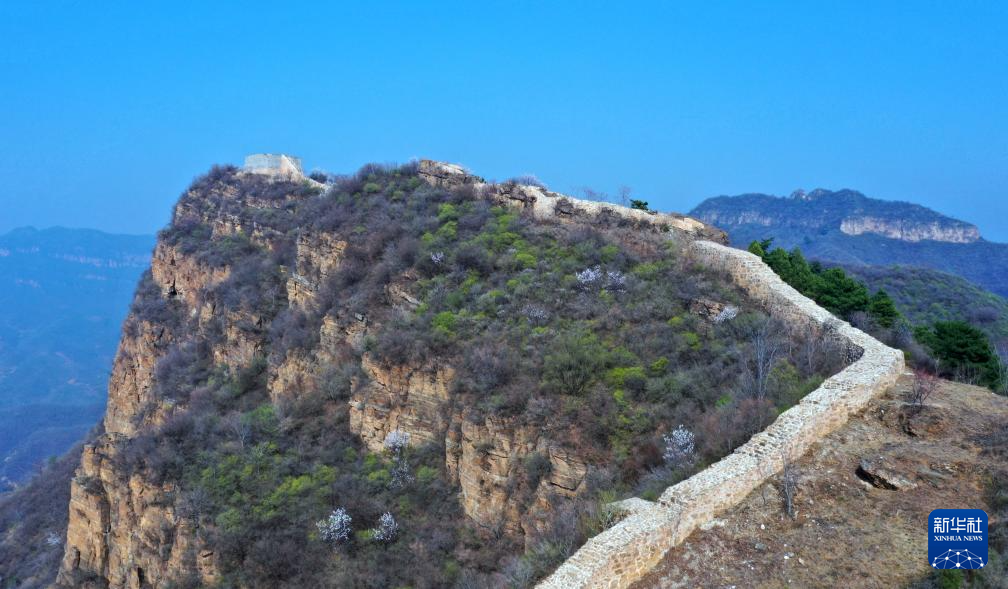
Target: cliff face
<point>911,231</point>
<point>238,293</point>
<point>124,529</point>
<point>127,529</point>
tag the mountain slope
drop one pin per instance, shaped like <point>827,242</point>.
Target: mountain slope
<point>483,365</point>
<point>63,296</point>
<point>849,228</point>
<point>925,296</point>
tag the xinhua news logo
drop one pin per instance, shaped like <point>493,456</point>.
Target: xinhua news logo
<point>957,539</point>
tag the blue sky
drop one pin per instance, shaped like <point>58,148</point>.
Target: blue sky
<point>110,109</point>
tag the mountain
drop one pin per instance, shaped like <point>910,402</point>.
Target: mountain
<point>64,295</point>
<point>847,227</point>
<point>409,376</point>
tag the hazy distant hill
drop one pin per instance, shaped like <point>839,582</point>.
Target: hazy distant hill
<point>63,295</point>
<point>849,228</point>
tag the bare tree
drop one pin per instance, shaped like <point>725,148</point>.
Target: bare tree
<point>789,483</point>
<point>810,347</point>
<point>765,347</point>
<point>194,504</point>
<point>592,194</point>
<point>624,192</point>
<point>239,426</point>
<point>923,386</point>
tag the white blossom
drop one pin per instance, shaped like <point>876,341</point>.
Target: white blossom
<point>387,529</point>
<point>335,529</point>
<point>535,314</point>
<point>589,277</point>
<point>396,440</point>
<point>680,448</point>
<point>437,258</point>
<point>726,314</point>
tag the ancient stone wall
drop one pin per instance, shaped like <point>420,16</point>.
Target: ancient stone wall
<point>545,204</point>
<point>273,164</point>
<point>625,552</point>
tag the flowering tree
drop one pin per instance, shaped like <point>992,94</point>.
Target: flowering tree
<point>589,277</point>
<point>335,529</point>
<point>535,314</point>
<point>387,529</point>
<point>396,442</point>
<point>680,448</point>
<point>726,314</point>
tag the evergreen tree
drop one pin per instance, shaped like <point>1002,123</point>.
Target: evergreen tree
<point>840,293</point>
<point>960,346</point>
<point>882,309</point>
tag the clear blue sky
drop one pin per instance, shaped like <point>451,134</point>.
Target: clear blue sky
<point>108,109</point>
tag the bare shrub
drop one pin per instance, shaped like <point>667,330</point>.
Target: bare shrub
<point>923,386</point>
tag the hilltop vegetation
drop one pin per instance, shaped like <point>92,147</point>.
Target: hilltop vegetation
<point>589,337</point>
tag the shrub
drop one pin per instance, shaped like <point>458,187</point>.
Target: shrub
<point>537,466</point>
<point>574,362</point>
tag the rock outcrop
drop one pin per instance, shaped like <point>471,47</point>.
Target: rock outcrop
<point>910,230</point>
<point>129,527</point>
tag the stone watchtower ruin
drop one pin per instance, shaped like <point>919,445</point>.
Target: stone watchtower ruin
<point>273,164</point>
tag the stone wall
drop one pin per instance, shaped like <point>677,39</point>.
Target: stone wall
<point>273,164</point>
<point>625,552</point>
<point>544,204</point>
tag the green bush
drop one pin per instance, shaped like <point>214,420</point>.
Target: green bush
<point>573,363</point>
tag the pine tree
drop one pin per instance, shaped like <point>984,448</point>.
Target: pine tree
<point>882,309</point>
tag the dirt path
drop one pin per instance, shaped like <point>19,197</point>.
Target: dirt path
<point>848,531</point>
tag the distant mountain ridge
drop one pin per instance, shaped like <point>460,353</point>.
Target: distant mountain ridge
<point>63,296</point>
<point>847,227</point>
